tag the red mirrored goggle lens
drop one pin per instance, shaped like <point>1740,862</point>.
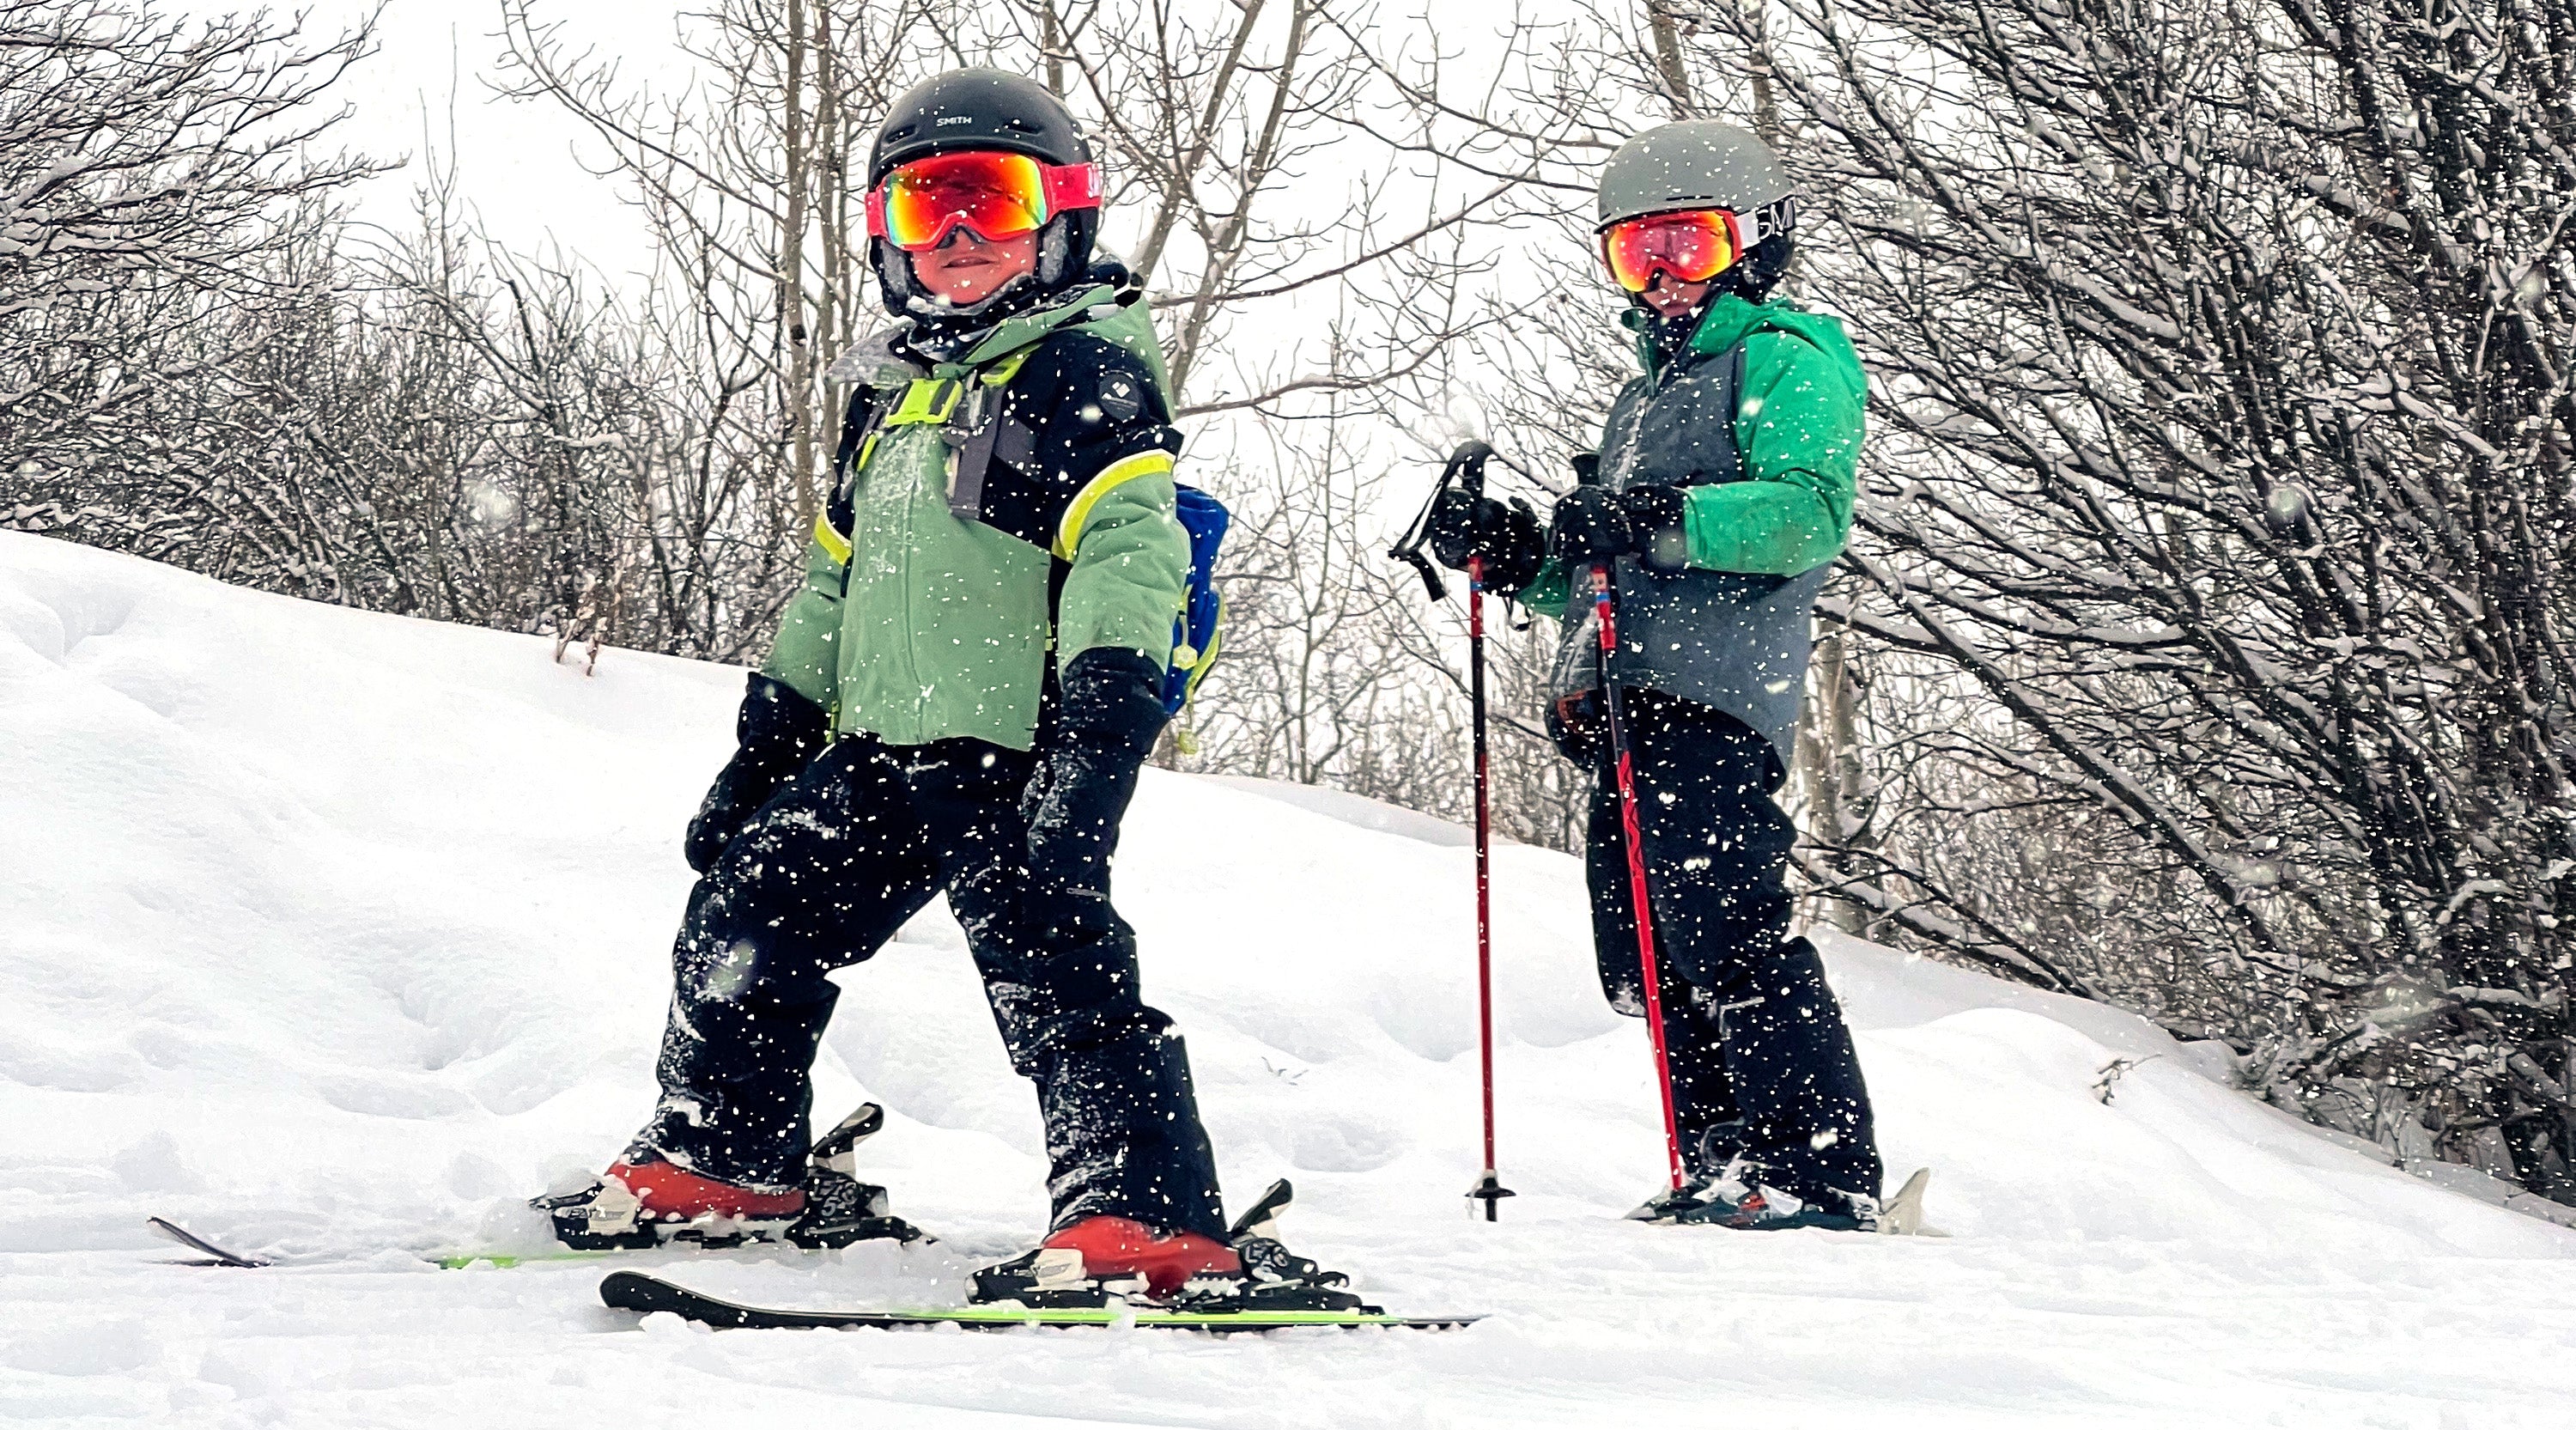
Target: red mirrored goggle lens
<point>1000,195</point>
<point>1690,247</point>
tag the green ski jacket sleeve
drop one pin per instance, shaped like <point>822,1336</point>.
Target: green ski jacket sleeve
<point>1798,426</point>
<point>1129,559</point>
<point>1118,531</point>
<point>806,656</point>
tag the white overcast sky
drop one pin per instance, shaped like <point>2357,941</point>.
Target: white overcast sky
<point>518,161</point>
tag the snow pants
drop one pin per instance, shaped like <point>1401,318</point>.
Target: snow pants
<point>821,878</point>
<point>1762,1064</point>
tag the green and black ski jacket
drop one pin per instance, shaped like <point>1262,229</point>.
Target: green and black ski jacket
<point>1001,514</point>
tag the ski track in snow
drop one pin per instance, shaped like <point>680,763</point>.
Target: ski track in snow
<point>333,936</point>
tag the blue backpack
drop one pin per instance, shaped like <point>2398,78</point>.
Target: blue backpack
<point>1195,636</point>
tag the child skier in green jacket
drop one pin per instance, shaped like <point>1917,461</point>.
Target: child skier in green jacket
<point>958,701</point>
<point>1726,475</point>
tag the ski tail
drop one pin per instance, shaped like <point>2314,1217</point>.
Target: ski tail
<point>1903,1213</point>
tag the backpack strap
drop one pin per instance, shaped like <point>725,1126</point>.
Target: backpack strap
<point>867,412</point>
<point>973,437</point>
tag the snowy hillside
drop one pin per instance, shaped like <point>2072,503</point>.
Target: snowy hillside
<point>334,936</point>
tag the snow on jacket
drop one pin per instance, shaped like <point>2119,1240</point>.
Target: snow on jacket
<point>916,624</point>
<point>1760,415</point>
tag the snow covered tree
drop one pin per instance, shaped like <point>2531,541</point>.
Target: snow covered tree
<point>159,218</point>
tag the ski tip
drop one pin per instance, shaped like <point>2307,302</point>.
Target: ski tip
<point>635,1291</point>
<point>215,1255</point>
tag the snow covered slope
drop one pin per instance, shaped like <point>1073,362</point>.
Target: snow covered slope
<point>335,935</point>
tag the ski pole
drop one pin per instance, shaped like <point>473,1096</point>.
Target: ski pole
<point>1605,618</point>
<point>1466,467</point>
<point>1489,1188</point>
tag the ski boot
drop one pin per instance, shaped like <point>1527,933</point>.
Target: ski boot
<point>1102,1260</point>
<point>1737,1199</point>
<point>645,1200</point>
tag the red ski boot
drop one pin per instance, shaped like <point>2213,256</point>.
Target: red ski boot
<point>645,1200</point>
<point>1113,1248</point>
<point>1104,1258</point>
<point>646,1203</point>
<point>1101,1257</point>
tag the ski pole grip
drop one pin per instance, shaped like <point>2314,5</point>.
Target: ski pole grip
<point>1466,466</point>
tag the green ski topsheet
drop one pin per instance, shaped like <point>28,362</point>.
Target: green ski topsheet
<point>635,1291</point>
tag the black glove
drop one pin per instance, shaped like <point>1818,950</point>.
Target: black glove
<point>1110,712</point>
<point>778,732</point>
<point>1596,524</point>
<point>1506,536</point>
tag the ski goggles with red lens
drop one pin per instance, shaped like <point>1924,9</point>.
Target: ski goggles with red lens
<point>998,194</point>
<point>1690,245</point>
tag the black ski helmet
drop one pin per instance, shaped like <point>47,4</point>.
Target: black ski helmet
<point>981,108</point>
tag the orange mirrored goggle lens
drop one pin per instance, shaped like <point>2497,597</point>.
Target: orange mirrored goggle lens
<point>998,194</point>
<point>1691,247</point>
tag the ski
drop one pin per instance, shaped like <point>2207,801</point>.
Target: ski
<point>214,1255</point>
<point>636,1291</point>
<point>680,1249</point>
<point>504,1260</point>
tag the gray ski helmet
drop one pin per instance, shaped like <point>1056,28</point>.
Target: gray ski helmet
<point>1690,164</point>
<point>1702,164</point>
<point>982,108</point>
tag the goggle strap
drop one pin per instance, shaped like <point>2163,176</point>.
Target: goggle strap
<point>1769,221</point>
<point>1071,186</point>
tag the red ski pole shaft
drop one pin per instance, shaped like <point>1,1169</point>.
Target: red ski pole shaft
<point>1484,864</point>
<point>1465,474</point>
<point>1624,764</point>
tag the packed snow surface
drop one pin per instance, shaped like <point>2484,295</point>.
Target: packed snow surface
<point>334,936</point>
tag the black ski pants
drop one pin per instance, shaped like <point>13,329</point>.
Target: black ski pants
<point>821,878</point>
<point>1762,1064</point>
